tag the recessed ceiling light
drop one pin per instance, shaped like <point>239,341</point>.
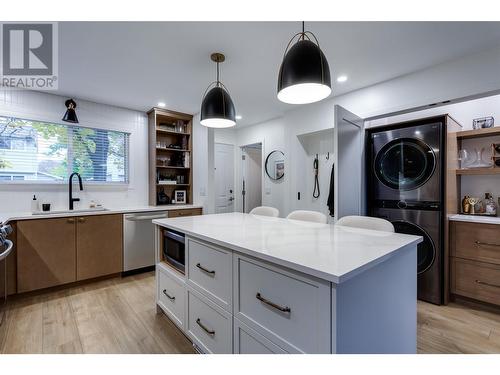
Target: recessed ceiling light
<point>341,78</point>
<point>161,104</point>
<point>239,117</point>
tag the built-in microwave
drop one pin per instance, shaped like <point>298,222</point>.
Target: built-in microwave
<point>174,249</point>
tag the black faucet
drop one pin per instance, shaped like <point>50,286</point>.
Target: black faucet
<point>71,199</point>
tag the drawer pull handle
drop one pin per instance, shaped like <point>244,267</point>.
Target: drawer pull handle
<point>169,297</point>
<point>487,284</point>
<point>204,269</point>
<point>272,304</point>
<point>211,333</point>
<point>486,244</point>
<point>70,221</point>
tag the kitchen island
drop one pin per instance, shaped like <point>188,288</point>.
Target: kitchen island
<point>255,284</point>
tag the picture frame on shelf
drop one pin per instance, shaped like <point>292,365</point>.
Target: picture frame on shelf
<point>180,196</point>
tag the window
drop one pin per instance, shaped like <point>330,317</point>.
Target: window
<point>46,152</point>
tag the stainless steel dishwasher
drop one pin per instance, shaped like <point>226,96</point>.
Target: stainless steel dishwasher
<point>138,239</point>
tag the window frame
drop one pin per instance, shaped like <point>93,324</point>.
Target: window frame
<point>64,182</point>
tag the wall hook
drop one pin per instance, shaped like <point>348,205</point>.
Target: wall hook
<point>328,156</point>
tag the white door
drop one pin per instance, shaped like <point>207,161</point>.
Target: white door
<point>349,166</point>
<point>224,178</point>
<point>252,177</point>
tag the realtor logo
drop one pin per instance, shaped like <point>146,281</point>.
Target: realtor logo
<point>29,56</point>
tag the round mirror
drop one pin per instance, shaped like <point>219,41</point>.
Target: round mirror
<point>275,165</point>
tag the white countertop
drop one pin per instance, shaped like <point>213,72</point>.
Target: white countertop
<point>475,219</point>
<point>5,217</point>
<point>330,252</point>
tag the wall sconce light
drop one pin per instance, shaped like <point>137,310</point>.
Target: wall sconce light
<point>70,115</point>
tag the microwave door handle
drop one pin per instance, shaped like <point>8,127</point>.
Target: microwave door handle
<point>174,236</point>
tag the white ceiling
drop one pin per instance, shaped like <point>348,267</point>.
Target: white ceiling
<point>138,64</point>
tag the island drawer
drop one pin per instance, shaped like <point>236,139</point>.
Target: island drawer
<point>208,325</point>
<point>476,280</point>
<point>172,296</point>
<point>210,272</point>
<point>288,308</point>
<point>185,212</point>
<point>476,241</point>
<point>248,341</point>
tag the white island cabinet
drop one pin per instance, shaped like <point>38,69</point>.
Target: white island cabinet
<point>255,284</point>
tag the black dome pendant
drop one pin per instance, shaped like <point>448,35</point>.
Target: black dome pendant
<point>217,108</point>
<point>304,75</point>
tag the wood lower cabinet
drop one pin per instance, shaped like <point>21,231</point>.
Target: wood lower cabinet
<point>46,253</point>
<point>99,249</point>
<point>185,212</point>
<point>475,261</point>
<point>52,252</point>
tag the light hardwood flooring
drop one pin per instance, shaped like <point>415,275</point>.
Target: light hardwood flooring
<point>119,316</point>
<point>110,316</point>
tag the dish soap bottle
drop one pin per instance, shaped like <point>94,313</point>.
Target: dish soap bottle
<point>490,205</point>
<point>34,204</point>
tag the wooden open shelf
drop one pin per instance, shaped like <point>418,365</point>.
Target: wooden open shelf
<point>171,132</point>
<point>478,171</point>
<point>182,156</point>
<point>171,149</point>
<point>479,133</point>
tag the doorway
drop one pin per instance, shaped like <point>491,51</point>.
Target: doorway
<point>251,172</point>
<point>224,178</point>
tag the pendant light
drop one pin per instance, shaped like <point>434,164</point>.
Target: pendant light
<point>217,108</point>
<point>304,75</point>
<point>70,115</point>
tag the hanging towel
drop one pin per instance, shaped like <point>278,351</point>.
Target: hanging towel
<point>331,196</point>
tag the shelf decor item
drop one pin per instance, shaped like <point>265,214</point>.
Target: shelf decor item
<point>217,108</point>
<point>483,122</point>
<point>479,162</point>
<point>304,75</point>
<point>180,196</point>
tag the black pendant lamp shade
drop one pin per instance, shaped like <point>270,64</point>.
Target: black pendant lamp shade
<point>217,108</point>
<point>70,115</point>
<point>304,75</point>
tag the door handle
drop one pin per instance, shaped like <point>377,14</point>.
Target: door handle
<point>272,304</point>
<point>205,270</point>
<point>231,199</point>
<point>487,284</point>
<point>169,297</point>
<point>211,333</point>
<point>486,244</point>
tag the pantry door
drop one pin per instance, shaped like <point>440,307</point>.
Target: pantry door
<point>224,178</point>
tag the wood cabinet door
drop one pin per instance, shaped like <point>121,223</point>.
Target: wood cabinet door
<point>99,248</point>
<point>46,254</point>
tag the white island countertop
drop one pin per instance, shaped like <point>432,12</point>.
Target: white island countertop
<point>5,217</point>
<point>329,252</point>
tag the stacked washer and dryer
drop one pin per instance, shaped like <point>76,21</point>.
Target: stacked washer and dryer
<point>406,185</point>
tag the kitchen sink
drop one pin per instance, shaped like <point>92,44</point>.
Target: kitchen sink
<point>83,210</point>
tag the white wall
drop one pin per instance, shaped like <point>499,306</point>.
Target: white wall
<point>50,108</point>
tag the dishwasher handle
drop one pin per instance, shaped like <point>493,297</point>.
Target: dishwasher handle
<point>144,217</point>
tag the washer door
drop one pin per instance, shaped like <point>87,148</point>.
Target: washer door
<point>405,164</point>
<point>426,251</point>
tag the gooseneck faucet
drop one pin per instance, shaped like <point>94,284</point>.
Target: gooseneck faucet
<point>71,199</point>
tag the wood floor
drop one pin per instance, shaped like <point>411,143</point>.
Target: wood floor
<point>111,316</point>
<point>119,316</point>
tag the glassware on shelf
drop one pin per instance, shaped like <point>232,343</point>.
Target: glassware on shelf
<point>490,207</point>
<point>479,162</point>
<point>463,159</point>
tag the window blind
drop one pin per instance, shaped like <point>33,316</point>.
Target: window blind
<point>46,152</point>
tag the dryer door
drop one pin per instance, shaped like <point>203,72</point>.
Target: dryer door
<point>426,250</point>
<point>405,164</point>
